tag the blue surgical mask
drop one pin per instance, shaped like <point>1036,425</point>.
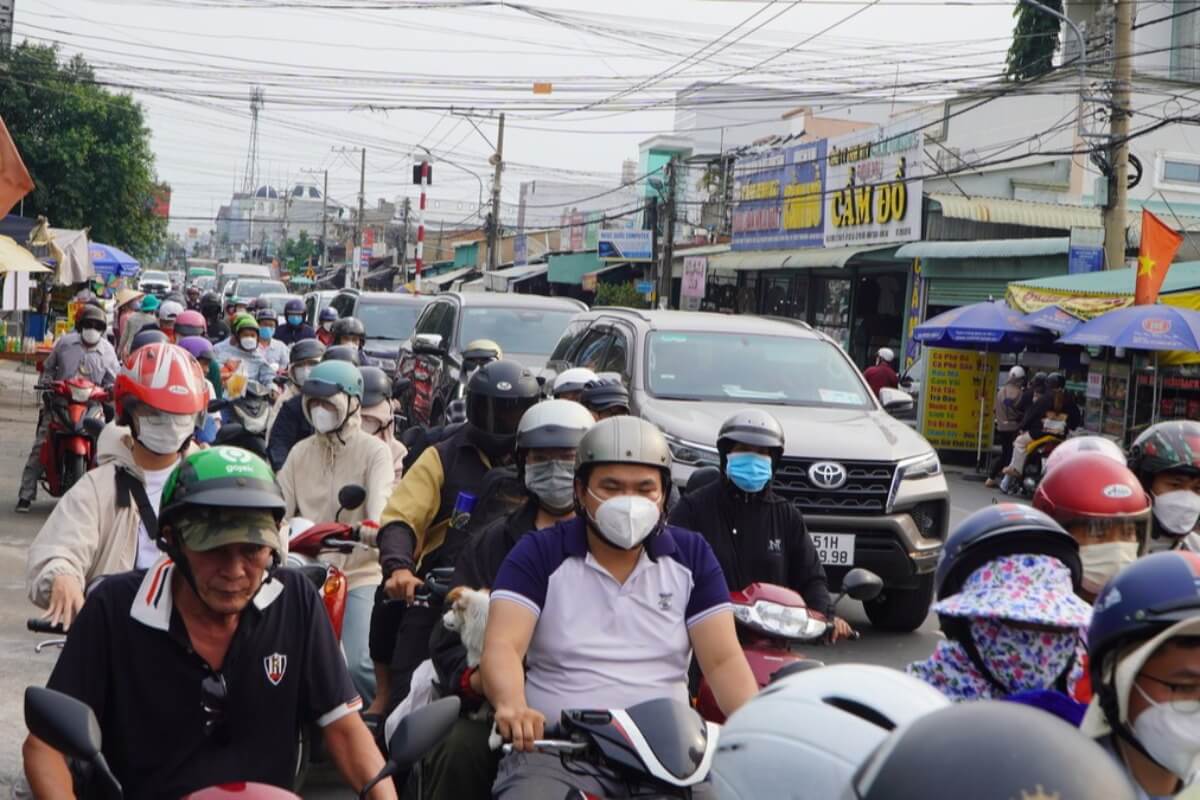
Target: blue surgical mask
<point>266,333</point>
<point>295,321</point>
<point>749,472</point>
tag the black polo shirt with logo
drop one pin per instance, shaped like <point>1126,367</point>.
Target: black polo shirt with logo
<point>128,656</point>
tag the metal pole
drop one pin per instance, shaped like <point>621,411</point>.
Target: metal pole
<point>664,276</point>
<point>494,232</point>
<point>420,258</point>
<point>1116,215</point>
<point>324,217</point>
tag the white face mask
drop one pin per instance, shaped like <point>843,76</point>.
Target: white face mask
<point>1102,561</point>
<point>625,521</point>
<point>164,434</point>
<point>1177,511</point>
<point>324,420</point>
<point>90,336</point>
<point>553,483</point>
<point>1171,736</point>
<point>249,343</point>
<point>300,375</point>
<point>325,326</point>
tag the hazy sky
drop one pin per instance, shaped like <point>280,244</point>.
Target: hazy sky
<point>350,74</point>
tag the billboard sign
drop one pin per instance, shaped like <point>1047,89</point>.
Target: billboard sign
<point>777,199</point>
<point>873,187</point>
<point>625,245</point>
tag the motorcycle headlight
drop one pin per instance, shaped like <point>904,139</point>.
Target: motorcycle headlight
<point>81,394</point>
<point>774,619</point>
<point>692,454</point>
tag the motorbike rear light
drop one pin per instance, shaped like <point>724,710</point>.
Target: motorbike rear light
<point>774,619</point>
<point>81,394</point>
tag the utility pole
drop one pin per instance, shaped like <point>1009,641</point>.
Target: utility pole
<point>324,215</point>
<point>8,13</point>
<point>664,270</point>
<point>362,199</point>
<point>404,242</point>
<point>1116,214</point>
<point>494,232</point>
<point>423,177</point>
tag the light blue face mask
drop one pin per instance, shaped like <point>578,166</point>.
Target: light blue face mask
<point>265,333</point>
<point>295,321</point>
<point>749,472</point>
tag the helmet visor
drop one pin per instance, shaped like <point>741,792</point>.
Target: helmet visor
<point>497,415</point>
<point>1130,528</point>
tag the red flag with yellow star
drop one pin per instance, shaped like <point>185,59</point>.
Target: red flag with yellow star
<point>1159,245</point>
<point>15,182</point>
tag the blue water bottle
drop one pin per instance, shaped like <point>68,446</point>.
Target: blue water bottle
<point>464,504</point>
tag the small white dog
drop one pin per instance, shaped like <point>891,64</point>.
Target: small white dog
<point>467,616</point>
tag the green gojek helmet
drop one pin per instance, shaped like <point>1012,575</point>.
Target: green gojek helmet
<point>219,496</point>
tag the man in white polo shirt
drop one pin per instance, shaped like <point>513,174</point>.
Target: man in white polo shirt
<point>605,610</point>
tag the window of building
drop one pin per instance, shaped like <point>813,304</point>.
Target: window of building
<point>1181,172</point>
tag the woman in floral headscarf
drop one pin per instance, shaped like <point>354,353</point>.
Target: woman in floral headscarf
<point>1008,607</point>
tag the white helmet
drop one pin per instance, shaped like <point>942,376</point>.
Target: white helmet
<point>1017,373</point>
<point>1085,444</point>
<point>553,424</point>
<point>814,729</point>
<point>573,380</point>
<point>886,354</point>
<point>169,310</point>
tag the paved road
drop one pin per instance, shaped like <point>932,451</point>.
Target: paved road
<point>20,666</point>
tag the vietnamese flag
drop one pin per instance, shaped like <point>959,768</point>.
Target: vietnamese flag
<point>1159,245</point>
<point>15,182</point>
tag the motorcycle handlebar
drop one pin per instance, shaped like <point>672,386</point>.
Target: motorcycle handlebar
<point>38,625</point>
<point>552,746</point>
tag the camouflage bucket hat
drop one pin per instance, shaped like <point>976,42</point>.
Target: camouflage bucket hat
<point>218,527</point>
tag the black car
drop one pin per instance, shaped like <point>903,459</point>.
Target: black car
<point>388,317</point>
<point>525,326</point>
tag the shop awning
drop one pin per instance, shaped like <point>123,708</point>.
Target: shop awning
<point>987,248</point>
<point>810,258</point>
<point>1028,213</point>
<point>571,267</point>
<point>501,279</point>
<point>707,251</point>
<point>447,278</point>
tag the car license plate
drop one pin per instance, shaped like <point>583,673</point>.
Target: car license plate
<point>835,549</point>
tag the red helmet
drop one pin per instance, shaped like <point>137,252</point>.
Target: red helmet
<point>1090,487</point>
<point>190,323</point>
<point>164,377</point>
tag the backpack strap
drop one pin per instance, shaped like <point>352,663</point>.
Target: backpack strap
<point>128,485</point>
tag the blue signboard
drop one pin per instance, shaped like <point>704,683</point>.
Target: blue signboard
<point>645,287</point>
<point>1085,259</point>
<point>625,245</point>
<point>520,251</point>
<point>779,199</point>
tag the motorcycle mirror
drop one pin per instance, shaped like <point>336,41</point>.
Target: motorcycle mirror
<point>94,426</point>
<point>351,496</point>
<point>415,735</point>
<point>62,722</point>
<point>400,385</point>
<point>862,584</point>
<point>894,400</point>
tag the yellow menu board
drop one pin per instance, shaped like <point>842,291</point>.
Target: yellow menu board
<point>955,382</point>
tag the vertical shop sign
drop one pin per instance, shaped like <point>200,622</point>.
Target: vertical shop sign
<point>912,316</point>
<point>959,386</point>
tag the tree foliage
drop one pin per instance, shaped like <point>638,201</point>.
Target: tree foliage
<point>1035,40</point>
<point>620,294</point>
<point>87,149</point>
<point>299,253</point>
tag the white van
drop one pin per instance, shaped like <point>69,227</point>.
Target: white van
<point>228,270</point>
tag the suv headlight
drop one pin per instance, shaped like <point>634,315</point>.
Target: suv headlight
<point>923,466</point>
<point>691,454</point>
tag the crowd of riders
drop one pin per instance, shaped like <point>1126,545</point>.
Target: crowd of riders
<point>200,654</point>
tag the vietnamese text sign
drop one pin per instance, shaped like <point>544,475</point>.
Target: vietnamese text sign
<point>691,287</point>
<point>873,187</point>
<point>778,199</point>
<point>959,386</point>
<point>622,245</point>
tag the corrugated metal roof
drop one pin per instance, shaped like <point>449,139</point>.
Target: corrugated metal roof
<point>447,277</point>
<point>1181,277</point>
<point>986,248</point>
<point>703,250</point>
<point>500,280</point>
<point>1018,212</point>
<point>811,258</point>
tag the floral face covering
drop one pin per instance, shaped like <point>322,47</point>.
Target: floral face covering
<point>1023,658</point>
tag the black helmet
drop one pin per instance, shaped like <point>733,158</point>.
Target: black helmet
<point>603,394</point>
<point>1039,381</point>
<point>210,304</point>
<point>147,335</point>
<point>306,350</point>
<point>498,395</point>
<point>1003,529</point>
<point>342,352</point>
<point>377,386</point>
<point>93,315</point>
<point>989,750</point>
<point>754,427</point>
<point>1055,381</point>
<point>1166,447</point>
<point>348,326</point>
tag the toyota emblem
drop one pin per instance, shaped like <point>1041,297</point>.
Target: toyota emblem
<point>827,475</point>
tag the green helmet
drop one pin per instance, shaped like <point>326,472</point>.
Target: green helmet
<point>244,321</point>
<point>224,477</point>
<point>150,303</point>
<point>330,377</point>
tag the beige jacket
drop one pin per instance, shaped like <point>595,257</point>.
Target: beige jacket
<point>87,535</point>
<point>320,465</point>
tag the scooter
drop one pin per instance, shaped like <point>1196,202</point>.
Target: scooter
<point>1036,455</point>
<point>69,449</point>
<point>659,748</point>
<point>70,727</point>
<point>245,418</point>
<point>771,620</point>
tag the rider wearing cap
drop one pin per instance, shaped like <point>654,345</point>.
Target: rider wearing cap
<point>1006,600</point>
<point>883,374</point>
<point>1166,459</point>
<point>338,454</point>
<point>294,328</point>
<point>202,668</point>
<point>605,610</point>
<point>756,535</point>
<point>83,354</point>
<point>97,528</point>
<point>1144,659</point>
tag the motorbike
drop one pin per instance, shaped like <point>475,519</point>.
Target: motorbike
<point>1036,455</point>
<point>70,727</point>
<point>659,748</point>
<point>69,449</point>
<point>245,418</point>
<point>771,620</point>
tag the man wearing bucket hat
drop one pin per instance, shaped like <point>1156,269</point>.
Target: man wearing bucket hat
<point>1144,661</point>
<point>1007,604</point>
<point>202,668</point>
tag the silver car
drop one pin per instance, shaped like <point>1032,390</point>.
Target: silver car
<point>870,487</point>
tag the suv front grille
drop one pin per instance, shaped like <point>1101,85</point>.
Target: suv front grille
<point>865,491</point>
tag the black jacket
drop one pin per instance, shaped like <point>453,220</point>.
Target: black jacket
<point>290,427</point>
<point>757,538</point>
<point>477,566</point>
<point>1037,412</point>
<point>290,335</point>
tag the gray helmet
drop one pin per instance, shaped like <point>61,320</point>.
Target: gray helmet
<point>553,424</point>
<point>377,386</point>
<point>623,440</point>
<point>306,350</point>
<point>754,427</point>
